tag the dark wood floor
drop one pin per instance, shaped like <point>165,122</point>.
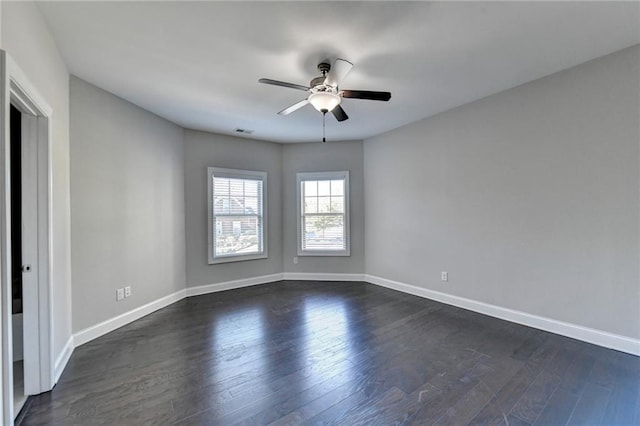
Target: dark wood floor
<point>296,352</point>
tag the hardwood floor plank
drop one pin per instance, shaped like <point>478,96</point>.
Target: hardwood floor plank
<point>535,398</point>
<point>515,421</point>
<point>558,409</point>
<point>590,408</point>
<point>426,404</point>
<point>371,412</point>
<point>577,373</point>
<point>498,408</point>
<point>529,346</point>
<point>467,407</point>
<point>329,399</point>
<point>622,406</point>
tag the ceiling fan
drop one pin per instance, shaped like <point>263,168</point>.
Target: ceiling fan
<point>324,93</point>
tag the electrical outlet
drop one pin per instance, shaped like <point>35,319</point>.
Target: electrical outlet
<point>119,294</point>
<point>444,276</point>
<point>127,291</point>
<point>295,260</point>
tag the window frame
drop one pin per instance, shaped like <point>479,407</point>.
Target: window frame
<point>213,172</point>
<point>315,176</point>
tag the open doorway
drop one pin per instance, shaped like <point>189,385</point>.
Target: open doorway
<point>25,243</point>
<point>15,131</point>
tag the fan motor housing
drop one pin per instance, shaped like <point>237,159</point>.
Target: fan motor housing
<point>318,81</point>
<point>324,67</point>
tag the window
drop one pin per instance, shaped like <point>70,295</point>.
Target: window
<point>323,214</point>
<point>237,205</point>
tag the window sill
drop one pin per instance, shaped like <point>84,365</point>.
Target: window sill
<point>230,259</point>
<point>324,253</point>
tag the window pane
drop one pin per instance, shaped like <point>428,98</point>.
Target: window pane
<point>337,204</point>
<point>237,235</point>
<point>251,187</point>
<point>221,186</point>
<point>236,205</point>
<point>324,204</point>
<point>236,187</point>
<point>323,233</point>
<point>310,188</point>
<point>251,205</point>
<point>220,205</point>
<point>324,187</point>
<point>310,205</point>
<point>337,187</point>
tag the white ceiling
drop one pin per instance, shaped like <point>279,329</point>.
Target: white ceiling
<point>198,63</point>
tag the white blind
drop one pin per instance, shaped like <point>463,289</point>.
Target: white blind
<point>237,216</point>
<point>323,224</point>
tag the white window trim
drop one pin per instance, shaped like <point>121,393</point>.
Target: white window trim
<point>239,174</point>
<point>302,176</point>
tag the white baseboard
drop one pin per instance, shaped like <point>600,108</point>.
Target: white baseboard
<point>62,359</point>
<point>230,285</point>
<point>93,332</point>
<point>597,337</point>
<point>306,276</point>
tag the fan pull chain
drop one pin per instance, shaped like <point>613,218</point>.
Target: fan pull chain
<point>324,115</point>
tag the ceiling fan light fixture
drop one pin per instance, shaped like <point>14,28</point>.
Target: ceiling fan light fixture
<point>324,101</point>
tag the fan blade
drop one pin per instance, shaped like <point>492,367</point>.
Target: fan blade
<point>339,113</point>
<point>283,84</point>
<point>338,72</point>
<point>294,107</point>
<point>366,94</point>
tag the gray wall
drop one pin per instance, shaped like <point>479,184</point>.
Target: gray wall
<point>321,157</point>
<point>204,150</point>
<point>528,198</point>
<point>127,205</point>
<point>25,36</point>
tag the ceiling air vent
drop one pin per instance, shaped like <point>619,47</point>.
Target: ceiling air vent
<point>245,131</point>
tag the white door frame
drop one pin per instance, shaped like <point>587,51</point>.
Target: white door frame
<point>15,89</point>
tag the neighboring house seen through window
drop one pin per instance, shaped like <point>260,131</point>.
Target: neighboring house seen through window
<point>237,219</point>
<point>323,214</point>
